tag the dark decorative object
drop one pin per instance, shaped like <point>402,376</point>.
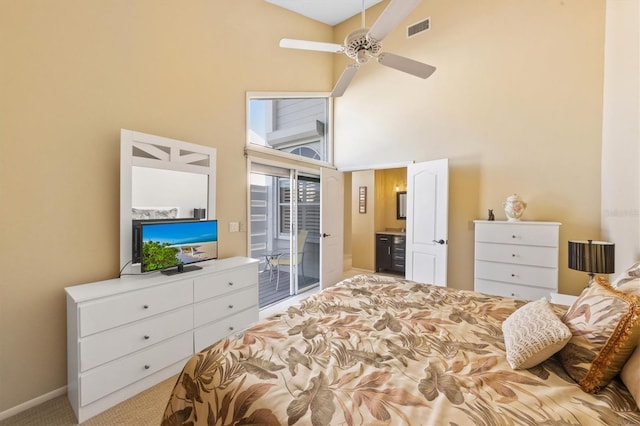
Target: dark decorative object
<point>491,216</point>
<point>199,213</point>
<point>401,205</point>
<point>593,257</point>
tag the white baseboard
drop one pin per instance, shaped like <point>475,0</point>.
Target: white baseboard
<point>33,403</point>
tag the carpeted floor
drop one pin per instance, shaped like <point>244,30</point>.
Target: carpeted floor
<point>144,409</point>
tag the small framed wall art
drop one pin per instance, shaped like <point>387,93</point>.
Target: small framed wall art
<point>362,199</point>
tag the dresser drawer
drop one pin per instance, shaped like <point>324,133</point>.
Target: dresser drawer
<point>220,307</point>
<point>535,235</point>
<point>211,333</point>
<point>110,377</point>
<point>510,290</point>
<point>109,312</point>
<point>518,254</point>
<point>224,282</point>
<point>399,241</point>
<point>103,347</point>
<point>517,274</point>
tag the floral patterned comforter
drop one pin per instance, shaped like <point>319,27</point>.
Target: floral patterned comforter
<point>383,351</point>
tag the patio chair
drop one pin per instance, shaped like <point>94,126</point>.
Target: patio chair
<point>285,259</point>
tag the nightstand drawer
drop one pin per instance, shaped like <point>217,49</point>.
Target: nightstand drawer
<point>103,347</point>
<point>517,274</point>
<point>114,311</point>
<point>517,254</point>
<point>506,233</point>
<point>211,333</point>
<point>510,290</point>
<point>220,307</point>
<point>110,377</point>
<point>224,282</point>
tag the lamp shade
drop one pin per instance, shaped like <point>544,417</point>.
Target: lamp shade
<point>594,257</point>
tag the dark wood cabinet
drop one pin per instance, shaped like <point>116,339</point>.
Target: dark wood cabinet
<point>390,253</point>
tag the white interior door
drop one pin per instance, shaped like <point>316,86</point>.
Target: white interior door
<point>427,222</point>
<point>331,226</point>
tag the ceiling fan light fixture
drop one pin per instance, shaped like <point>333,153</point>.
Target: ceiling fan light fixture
<point>364,43</point>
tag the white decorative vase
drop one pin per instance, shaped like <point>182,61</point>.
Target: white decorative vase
<point>514,207</point>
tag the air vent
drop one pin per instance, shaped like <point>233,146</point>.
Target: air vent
<point>418,27</point>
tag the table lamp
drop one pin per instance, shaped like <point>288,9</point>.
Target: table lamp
<point>593,257</point>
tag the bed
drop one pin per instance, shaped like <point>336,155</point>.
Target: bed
<point>375,350</point>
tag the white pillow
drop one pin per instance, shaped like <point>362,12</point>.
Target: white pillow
<point>532,334</point>
<point>631,274</point>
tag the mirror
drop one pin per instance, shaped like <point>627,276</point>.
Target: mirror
<point>170,194</point>
<point>162,178</point>
<point>401,205</point>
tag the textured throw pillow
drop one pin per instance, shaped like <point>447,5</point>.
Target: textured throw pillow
<point>605,324</point>
<point>532,334</point>
<point>630,375</point>
<point>169,213</point>
<point>632,273</point>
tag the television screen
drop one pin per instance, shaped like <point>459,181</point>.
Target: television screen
<point>176,244</point>
<point>136,236</point>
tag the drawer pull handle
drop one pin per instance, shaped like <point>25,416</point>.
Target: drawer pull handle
<point>230,283</point>
<point>513,275</point>
<point>230,306</point>
<point>513,255</point>
<point>513,236</point>
<point>145,306</point>
<point>146,337</point>
<point>231,328</point>
<point>147,366</point>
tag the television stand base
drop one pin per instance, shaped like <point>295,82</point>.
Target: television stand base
<point>180,269</point>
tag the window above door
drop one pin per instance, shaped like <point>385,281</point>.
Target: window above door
<point>291,125</point>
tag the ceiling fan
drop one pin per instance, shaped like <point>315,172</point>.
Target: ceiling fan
<point>364,44</point>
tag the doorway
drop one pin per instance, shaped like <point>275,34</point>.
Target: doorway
<point>285,230</point>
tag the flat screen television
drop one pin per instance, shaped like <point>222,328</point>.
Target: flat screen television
<point>174,247</point>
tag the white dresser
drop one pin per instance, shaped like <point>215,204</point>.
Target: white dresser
<point>125,335</point>
<point>516,259</point>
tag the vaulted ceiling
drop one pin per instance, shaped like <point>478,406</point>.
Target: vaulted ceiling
<point>331,12</point>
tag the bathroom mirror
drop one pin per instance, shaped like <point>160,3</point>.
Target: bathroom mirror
<point>401,205</point>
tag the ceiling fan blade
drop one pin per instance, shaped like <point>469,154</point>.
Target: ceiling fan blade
<point>344,80</point>
<point>407,65</point>
<point>320,46</point>
<point>394,13</point>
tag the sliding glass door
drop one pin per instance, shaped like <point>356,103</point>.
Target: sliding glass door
<point>285,224</point>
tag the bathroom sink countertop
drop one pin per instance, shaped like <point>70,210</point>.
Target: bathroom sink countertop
<point>392,232</point>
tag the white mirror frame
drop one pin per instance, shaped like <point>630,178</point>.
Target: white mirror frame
<point>159,153</point>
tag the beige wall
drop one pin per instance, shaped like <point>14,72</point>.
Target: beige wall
<point>363,224</point>
<point>386,182</point>
<point>515,104</point>
<point>72,73</point>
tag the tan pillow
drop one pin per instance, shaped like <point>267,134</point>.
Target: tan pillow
<point>630,375</point>
<point>605,324</point>
<point>532,334</point>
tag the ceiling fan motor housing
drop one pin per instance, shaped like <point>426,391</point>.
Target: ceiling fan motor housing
<point>360,47</point>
